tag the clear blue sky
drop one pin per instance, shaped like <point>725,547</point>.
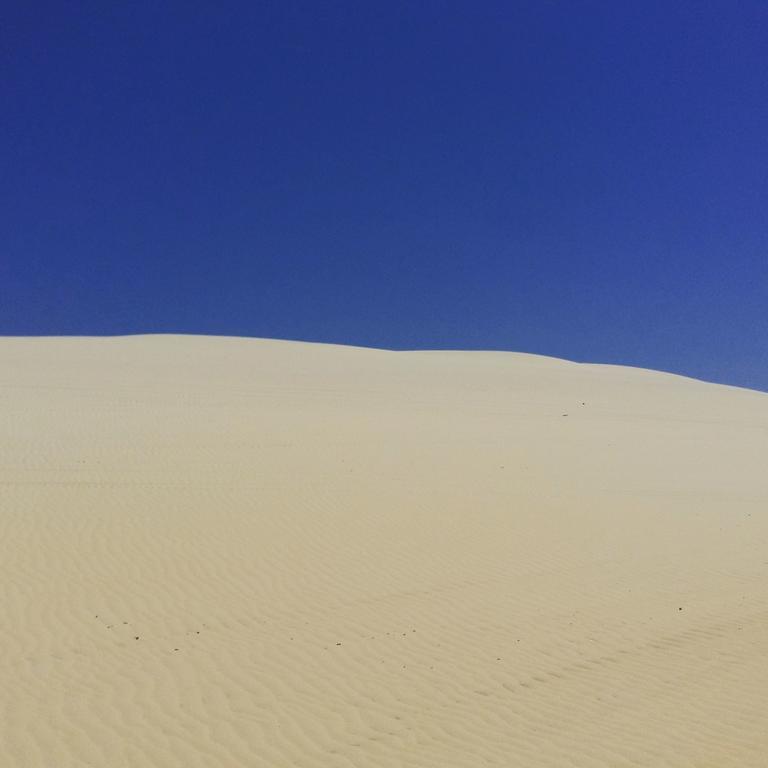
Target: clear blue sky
<point>581,179</point>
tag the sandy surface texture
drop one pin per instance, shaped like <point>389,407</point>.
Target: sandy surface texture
<point>230,552</point>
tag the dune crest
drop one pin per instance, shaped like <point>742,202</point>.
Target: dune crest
<point>238,552</point>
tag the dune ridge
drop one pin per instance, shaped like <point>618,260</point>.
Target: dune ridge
<point>242,552</point>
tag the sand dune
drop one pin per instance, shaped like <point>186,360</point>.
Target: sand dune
<point>231,552</point>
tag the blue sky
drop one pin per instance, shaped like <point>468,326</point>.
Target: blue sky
<point>581,179</point>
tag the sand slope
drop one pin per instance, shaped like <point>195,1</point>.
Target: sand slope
<point>230,552</point>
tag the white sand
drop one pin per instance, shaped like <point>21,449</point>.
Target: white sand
<point>346,557</point>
